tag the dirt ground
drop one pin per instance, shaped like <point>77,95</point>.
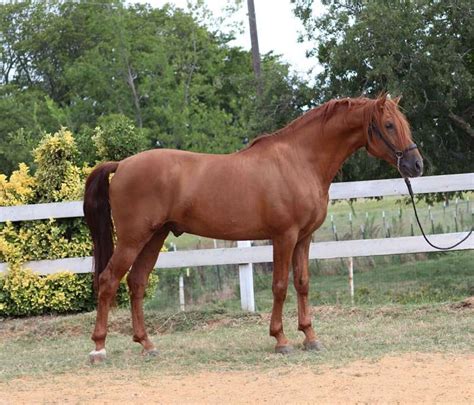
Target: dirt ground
<point>411,378</point>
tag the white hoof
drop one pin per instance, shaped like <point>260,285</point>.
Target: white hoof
<point>97,356</point>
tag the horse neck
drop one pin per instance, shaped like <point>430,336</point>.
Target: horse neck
<point>324,148</point>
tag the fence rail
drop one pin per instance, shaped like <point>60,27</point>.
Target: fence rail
<point>263,254</point>
<point>245,256</point>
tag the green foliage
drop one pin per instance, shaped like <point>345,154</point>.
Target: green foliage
<point>19,189</point>
<point>179,82</point>
<point>421,50</point>
<point>117,138</point>
<point>47,239</point>
<point>25,118</point>
<point>23,292</point>
<point>57,179</point>
<point>16,148</point>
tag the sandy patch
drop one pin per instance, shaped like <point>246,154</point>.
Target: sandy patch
<point>410,378</point>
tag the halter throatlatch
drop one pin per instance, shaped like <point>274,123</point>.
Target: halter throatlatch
<point>399,155</point>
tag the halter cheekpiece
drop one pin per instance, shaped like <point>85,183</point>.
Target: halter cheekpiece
<point>399,154</point>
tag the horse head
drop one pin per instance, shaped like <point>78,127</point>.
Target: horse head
<point>389,137</point>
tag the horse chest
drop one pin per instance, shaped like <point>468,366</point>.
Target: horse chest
<point>316,212</point>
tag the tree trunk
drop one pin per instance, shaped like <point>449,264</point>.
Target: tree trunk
<point>255,50</point>
<point>461,123</point>
<point>136,98</point>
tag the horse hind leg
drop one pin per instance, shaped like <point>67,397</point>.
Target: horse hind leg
<point>123,257</point>
<point>137,281</point>
<point>301,282</point>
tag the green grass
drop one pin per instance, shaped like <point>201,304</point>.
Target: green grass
<point>220,340</point>
<point>404,307</point>
<point>443,277</point>
<point>403,304</point>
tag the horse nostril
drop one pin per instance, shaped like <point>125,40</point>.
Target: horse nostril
<point>418,165</point>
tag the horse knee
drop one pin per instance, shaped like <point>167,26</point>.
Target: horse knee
<point>302,287</point>
<point>279,289</point>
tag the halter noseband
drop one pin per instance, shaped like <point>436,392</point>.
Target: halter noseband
<point>399,154</point>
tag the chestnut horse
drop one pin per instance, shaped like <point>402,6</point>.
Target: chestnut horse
<point>276,188</point>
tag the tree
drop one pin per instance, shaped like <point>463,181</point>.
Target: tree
<point>179,81</point>
<point>421,50</point>
<point>255,48</point>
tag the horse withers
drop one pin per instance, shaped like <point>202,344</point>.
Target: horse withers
<point>276,188</point>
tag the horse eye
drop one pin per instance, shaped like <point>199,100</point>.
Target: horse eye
<point>389,125</point>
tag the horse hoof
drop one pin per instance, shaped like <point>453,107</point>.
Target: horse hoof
<point>97,356</point>
<point>315,345</point>
<point>150,353</point>
<point>287,349</point>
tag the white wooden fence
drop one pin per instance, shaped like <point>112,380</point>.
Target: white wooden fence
<point>245,255</point>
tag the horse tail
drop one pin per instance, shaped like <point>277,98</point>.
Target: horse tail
<point>98,216</point>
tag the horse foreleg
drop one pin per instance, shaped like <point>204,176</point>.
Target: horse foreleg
<point>109,281</point>
<point>137,281</point>
<point>282,253</point>
<point>301,281</point>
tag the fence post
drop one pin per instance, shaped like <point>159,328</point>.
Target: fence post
<point>247,299</point>
<point>351,279</point>
<point>181,293</point>
<point>180,284</point>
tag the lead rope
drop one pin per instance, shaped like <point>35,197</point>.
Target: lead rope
<point>407,181</point>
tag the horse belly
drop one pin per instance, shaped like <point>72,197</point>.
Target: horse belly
<point>213,220</point>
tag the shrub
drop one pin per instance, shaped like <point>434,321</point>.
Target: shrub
<point>39,240</point>
<point>19,189</point>
<point>23,292</point>
<point>57,178</point>
<point>117,138</point>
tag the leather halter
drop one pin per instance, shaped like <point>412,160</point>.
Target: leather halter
<point>399,154</point>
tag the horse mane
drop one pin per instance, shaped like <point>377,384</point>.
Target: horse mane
<point>373,112</point>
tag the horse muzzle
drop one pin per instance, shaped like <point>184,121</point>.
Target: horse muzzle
<point>411,165</point>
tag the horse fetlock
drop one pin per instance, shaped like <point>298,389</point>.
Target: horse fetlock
<point>147,344</point>
<point>306,327</point>
<point>99,338</point>
<point>139,339</point>
<point>276,330</point>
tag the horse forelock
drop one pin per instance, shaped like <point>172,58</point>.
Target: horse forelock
<point>375,114</point>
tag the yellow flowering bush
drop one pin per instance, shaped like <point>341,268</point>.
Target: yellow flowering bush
<point>57,178</point>
<point>19,189</point>
<point>23,292</point>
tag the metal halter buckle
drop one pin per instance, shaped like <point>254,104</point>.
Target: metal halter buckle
<point>399,155</point>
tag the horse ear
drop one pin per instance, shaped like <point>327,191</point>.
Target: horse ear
<point>381,101</point>
<point>397,99</point>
